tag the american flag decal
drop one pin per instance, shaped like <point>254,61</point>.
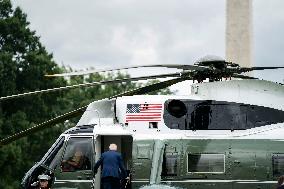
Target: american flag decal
<point>143,112</point>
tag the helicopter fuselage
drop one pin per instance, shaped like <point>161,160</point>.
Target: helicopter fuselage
<point>226,134</point>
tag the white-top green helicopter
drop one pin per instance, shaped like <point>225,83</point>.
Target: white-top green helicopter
<point>225,134</point>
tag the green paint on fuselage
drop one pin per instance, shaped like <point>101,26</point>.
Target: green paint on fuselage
<point>247,163</point>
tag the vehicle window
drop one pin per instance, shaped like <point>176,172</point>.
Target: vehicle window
<point>206,163</point>
<point>215,115</point>
<point>78,154</point>
<point>53,157</point>
<point>278,164</point>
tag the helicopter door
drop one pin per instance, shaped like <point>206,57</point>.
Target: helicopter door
<point>76,166</point>
<point>124,146</point>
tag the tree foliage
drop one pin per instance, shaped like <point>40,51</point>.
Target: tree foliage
<point>23,63</point>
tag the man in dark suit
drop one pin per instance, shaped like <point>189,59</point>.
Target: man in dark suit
<point>112,168</point>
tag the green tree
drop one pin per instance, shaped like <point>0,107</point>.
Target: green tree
<point>23,63</point>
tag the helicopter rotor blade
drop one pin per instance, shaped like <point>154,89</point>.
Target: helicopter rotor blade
<point>196,68</point>
<point>152,87</point>
<point>177,66</point>
<point>79,111</point>
<point>91,85</point>
<point>243,69</point>
<point>43,125</point>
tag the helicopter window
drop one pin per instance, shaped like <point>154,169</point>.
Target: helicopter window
<point>55,154</point>
<point>219,115</point>
<point>170,164</point>
<point>278,164</point>
<point>176,108</point>
<point>77,155</point>
<point>153,125</point>
<point>206,163</point>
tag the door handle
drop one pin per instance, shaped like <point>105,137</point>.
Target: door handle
<point>79,177</point>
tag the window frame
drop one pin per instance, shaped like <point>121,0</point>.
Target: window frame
<point>224,163</point>
<point>201,115</point>
<point>65,148</point>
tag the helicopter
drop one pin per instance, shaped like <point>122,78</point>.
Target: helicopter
<point>224,134</point>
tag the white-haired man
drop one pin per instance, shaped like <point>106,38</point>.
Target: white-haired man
<point>112,168</point>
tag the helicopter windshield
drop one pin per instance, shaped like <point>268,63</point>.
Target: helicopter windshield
<point>77,155</point>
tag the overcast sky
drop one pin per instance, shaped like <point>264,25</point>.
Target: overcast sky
<point>101,34</point>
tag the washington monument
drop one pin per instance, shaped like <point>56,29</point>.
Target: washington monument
<point>239,32</point>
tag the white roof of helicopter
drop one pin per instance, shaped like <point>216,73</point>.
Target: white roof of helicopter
<point>102,112</point>
<point>109,116</point>
<point>257,92</point>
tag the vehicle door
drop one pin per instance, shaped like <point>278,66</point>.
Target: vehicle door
<point>76,164</point>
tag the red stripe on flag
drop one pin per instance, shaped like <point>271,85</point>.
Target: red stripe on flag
<point>142,118</point>
<point>144,114</point>
<point>150,120</point>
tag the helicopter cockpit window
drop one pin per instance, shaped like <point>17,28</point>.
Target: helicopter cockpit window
<point>77,155</point>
